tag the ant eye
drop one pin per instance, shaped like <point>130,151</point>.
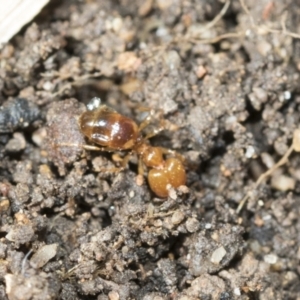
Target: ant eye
<point>94,103</point>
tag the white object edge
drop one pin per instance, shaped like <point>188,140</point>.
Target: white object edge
<point>14,14</point>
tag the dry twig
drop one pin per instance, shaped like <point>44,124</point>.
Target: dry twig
<point>294,147</point>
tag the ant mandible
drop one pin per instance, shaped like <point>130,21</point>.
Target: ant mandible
<point>114,132</point>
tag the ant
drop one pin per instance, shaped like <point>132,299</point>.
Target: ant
<point>112,131</point>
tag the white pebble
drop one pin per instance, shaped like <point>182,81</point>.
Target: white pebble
<point>208,226</point>
<point>271,259</point>
<point>237,291</point>
<point>218,255</point>
<point>250,151</point>
<point>287,95</point>
<point>283,183</point>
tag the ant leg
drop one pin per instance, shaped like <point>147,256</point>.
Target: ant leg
<point>150,116</point>
<point>141,171</point>
<point>86,147</point>
<point>123,161</point>
<point>83,146</point>
<point>117,158</point>
<point>153,133</point>
<point>148,120</point>
<point>93,148</point>
<point>173,153</point>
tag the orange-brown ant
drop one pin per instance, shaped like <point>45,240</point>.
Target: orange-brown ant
<point>113,132</point>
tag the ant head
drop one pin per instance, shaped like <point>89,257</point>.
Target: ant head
<point>94,103</point>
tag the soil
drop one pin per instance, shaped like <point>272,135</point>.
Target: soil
<point>225,75</point>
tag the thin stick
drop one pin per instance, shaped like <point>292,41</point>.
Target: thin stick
<point>219,16</point>
<point>281,162</point>
<point>218,38</point>
<point>246,10</point>
<point>283,29</point>
<point>263,176</point>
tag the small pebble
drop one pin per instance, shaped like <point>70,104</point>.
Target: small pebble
<point>218,255</point>
<point>237,291</point>
<point>43,255</point>
<point>177,217</point>
<point>113,295</point>
<point>4,205</point>
<point>39,136</point>
<point>250,151</point>
<point>17,143</point>
<point>283,183</point>
<point>192,225</point>
<point>271,259</point>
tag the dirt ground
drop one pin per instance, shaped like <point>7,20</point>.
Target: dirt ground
<point>226,76</point>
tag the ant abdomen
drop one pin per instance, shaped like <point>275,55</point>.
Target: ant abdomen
<point>172,173</point>
<point>107,128</point>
